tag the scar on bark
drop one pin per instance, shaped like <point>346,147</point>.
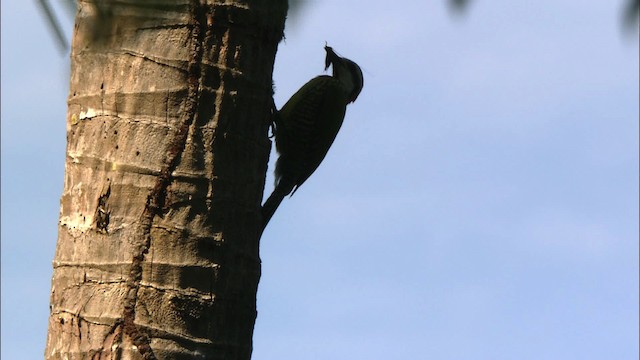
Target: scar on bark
<point>102,211</point>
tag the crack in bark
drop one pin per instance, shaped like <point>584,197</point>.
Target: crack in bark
<point>156,198</point>
<point>113,165</point>
<point>156,60</point>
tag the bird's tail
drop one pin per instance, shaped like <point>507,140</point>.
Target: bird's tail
<point>271,205</point>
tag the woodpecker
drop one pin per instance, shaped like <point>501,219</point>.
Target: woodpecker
<point>307,124</point>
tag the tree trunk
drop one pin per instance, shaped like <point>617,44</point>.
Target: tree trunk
<point>167,149</point>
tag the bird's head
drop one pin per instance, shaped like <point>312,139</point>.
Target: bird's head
<point>346,71</point>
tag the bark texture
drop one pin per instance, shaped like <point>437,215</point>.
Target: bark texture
<point>169,106</point>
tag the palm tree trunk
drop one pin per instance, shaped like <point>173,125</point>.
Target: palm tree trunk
<point>169,106</point>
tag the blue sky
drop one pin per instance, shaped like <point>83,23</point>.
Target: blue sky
<point>480,202</point>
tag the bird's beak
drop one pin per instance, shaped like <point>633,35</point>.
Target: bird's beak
<point>331,58</point>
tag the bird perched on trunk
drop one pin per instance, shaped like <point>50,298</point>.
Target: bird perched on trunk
<point>308,123</point>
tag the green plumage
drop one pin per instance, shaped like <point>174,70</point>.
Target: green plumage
<point>307,126</point>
